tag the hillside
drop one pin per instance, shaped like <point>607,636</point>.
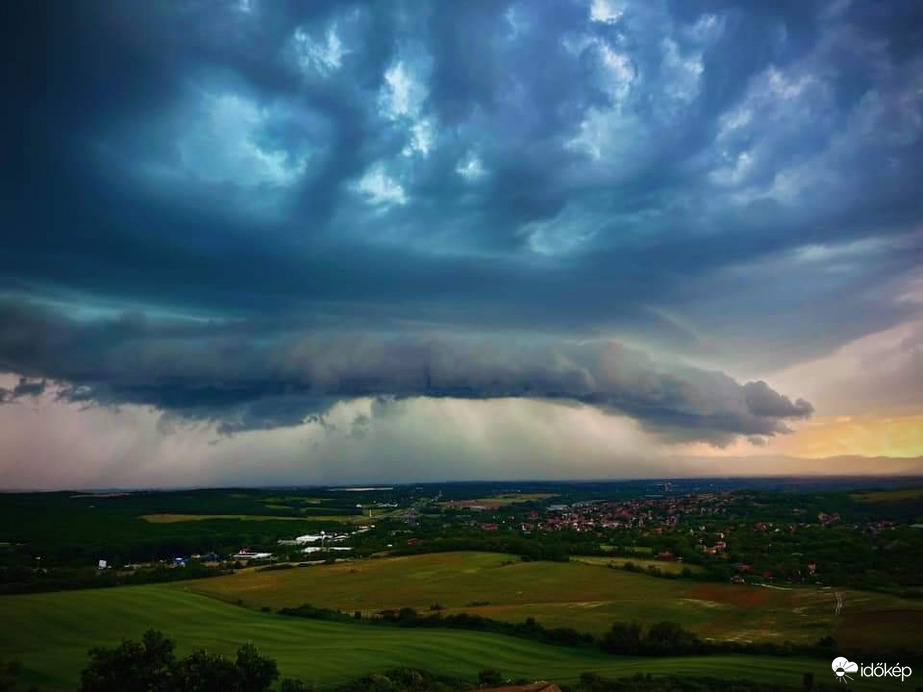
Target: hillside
<point>50,634</point>
<point>587,597</point>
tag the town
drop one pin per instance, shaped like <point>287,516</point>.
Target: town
<point>732,535</point>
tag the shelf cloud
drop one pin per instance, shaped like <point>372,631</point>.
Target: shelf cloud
<point>245,381</point>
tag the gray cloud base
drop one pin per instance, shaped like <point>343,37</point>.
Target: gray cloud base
<point>218,372</point>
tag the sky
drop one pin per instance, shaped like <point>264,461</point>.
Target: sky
<point>271,242</point>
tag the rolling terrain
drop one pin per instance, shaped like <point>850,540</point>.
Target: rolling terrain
<point>587,597</point>
<point>50,633</point>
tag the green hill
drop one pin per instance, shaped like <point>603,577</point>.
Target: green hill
<point>50,633</point>
<point>586,597</point>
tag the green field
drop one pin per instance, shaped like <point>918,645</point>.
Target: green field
<point>663,566</point>
<point>906,495</point>
<point>50,634</point>
<point>586,597</point>
<point>503,500</point>
<point>182,518</point>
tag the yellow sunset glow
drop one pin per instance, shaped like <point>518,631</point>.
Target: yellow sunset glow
<point>827,436</point>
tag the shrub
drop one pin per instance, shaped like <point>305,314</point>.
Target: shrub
<point>490,677</point>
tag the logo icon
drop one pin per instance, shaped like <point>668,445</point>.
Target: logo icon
<point>841,666</point>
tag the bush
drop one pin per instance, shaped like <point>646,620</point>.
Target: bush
<point>8,674</point>
<point>663,638</point>
<point>622,638</point>
<point>275,568</point>
<point>670,638</point>
<point>403,680</point>
<point>490,677</point>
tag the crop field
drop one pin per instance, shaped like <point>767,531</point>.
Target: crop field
<point>50,634</point>
<point>586,597</point>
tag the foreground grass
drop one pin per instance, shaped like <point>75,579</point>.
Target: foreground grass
<point>587,597</point>
<point>50,634</point>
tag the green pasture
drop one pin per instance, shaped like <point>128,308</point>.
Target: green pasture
<point>502,500</point>
<point>50,635</point>
<point>663,566</point>
<point>903,495</point>
<point>586,597</point>
<point>182,518</point>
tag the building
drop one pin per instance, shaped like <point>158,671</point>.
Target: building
<point>245,554</point>
<point>540,686</point>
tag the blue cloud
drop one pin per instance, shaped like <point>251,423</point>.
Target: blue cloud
<point>646,171</point>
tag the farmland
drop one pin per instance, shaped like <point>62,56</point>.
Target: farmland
<point>587,597</point>
<point>745,566</point>
<point>182,518</point>
<point>905,495</point>
<point>496,501</point>
<point>71,530</point>
<point>665,567</point>
<point>50,634</point>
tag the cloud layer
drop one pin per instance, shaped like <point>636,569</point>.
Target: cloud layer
<point>245,211</point>
<point>226,373</point>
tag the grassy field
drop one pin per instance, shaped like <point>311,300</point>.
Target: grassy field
<point>50,634</point>
<point>890,495</point>
<point>666,567</point>
<point>636,549</point>
<point>340,518</point>
<point>495,501</point>
<point>586,597</point>
<point>180,518</point>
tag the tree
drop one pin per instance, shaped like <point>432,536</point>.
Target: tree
<point>256,672</point>
<point>670,637</point>
<point>145,666</point>
<point>203,672</point>
<point>8,674</point>
<point>151,666</point>
<point>622,638</point>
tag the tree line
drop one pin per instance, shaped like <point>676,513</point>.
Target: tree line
<point>664,638</point>
<point>151,665</point>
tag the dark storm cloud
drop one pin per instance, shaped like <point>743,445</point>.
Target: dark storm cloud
<point>207,372</point>
<point>25,387</point>
<point>563,170</point>
<point>763,400</point>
